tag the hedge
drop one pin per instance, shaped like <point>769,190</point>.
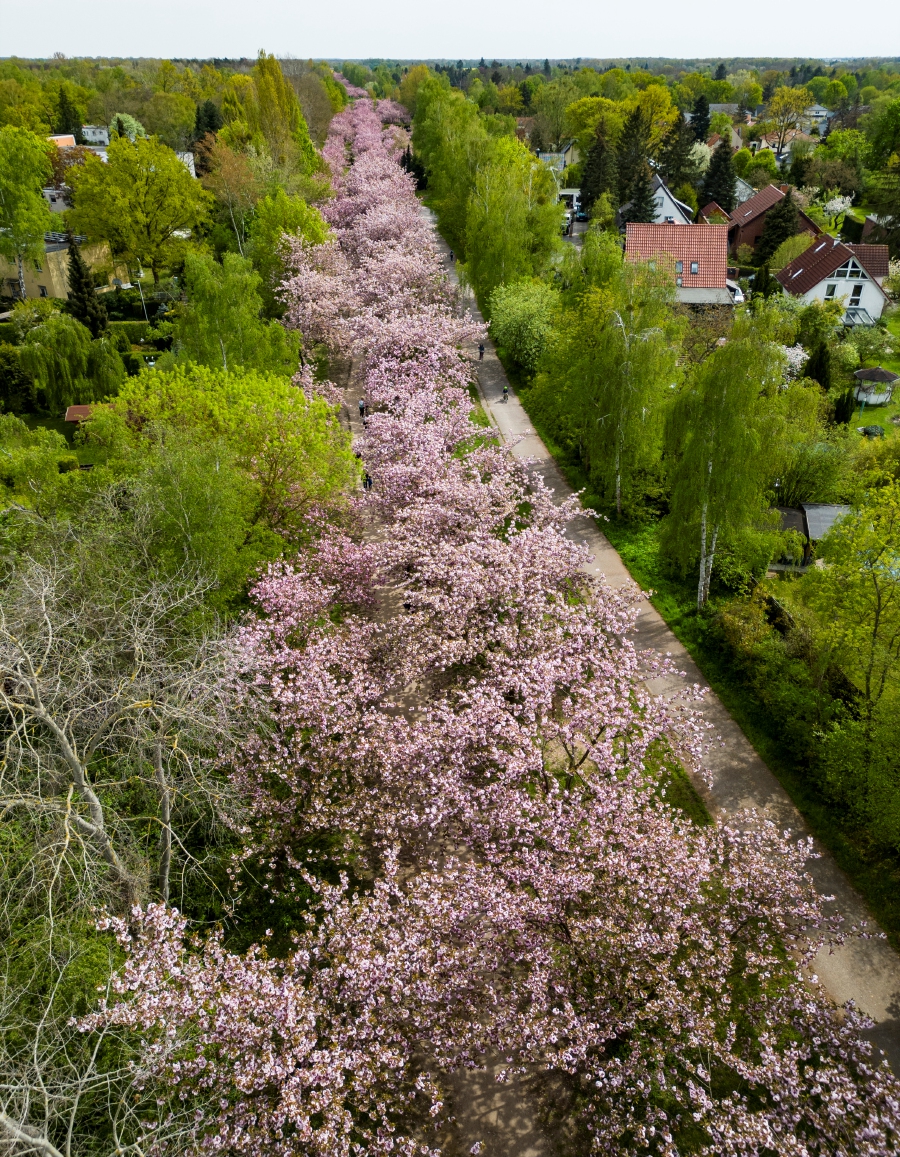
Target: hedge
<point>7,332</point>
<point>133,330</point>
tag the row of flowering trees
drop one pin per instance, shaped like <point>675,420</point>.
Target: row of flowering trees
<point>455,770</point>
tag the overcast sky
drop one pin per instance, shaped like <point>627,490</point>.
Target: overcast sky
<point>404,29</point>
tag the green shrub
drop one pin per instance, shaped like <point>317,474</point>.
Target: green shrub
<point>134,331</point>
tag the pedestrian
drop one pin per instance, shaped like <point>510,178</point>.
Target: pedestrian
<point>452,259</point>
<point>362,406</point>
<point>481,351</point>
<point>505,392</point>
<point>367,481</point>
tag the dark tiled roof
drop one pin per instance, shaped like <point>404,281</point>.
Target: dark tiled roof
<point>713,207</point>
<point>873,257</point>
<point>821,516</point>
<point>758,203</point>
<point>706,244</point>
<point>876,374</point>
<point>807,270</point>
<point>825,256</point>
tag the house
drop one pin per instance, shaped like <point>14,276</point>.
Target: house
<point>51,276</point>
<point>736,141</point>
<point>697,255</point>
<point>95,135</point>
<point>835,270</point>
<point>56,199</point>
<point>819,116</point>
<point>63,141</point>
<point>569,154</point>
<point>524,125</point>
<point>875,385</point>
<point>713,214</point>
<point>749,218</point>
<point>813,520</point>
<point>669,210</point>
<point>781,150</point>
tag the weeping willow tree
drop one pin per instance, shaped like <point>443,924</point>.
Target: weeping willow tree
<point>67,366</point>
<point>723,437</point>
<point>606,382</point>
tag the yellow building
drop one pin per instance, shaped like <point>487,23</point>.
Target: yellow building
<point>51,277</point>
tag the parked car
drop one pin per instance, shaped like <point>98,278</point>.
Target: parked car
<point>737,294</point>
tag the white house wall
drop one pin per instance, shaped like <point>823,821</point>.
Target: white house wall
<point>871,300</point>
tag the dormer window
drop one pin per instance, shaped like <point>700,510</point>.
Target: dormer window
<point>679,268</point>
<point>695,267</point>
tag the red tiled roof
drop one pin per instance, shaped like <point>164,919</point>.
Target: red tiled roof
<point>713,207</point>
<point>758,203</point>
<point>817,263</point>
<point>705,244</point>
<point>874,258</point>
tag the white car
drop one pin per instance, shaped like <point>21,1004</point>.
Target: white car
<point>737,294</point>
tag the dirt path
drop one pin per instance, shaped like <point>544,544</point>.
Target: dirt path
<point>865,971</point>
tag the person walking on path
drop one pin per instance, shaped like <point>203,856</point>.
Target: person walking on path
<point>362,407</point>
<point>481,351</point>
<point>452,258</point>
<point>505,392</point>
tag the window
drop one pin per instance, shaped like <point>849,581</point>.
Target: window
<point>830,292</point>
<point>678,281</point>
<point>679,267</point>
<point>855,294</point>
<point>695,267</point>
<point>38,267</point>
<point>42,289</point>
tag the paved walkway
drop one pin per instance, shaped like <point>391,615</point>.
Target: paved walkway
<point>865,971</point>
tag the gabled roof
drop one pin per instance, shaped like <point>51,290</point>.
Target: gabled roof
<point>714,208</point>
<point>874,258</point>
<point>705,244</point>
<point>818,262</point>
<point>759,203</point>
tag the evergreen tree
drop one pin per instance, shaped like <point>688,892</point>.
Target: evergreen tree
<point>718,185</point>
<point>642,206</point>
<point>634,148</point>
<point>819,366</point>
<point>68,120</point>
<point>764,284</point>
<point>677,165</point>
<point>845,406</point>
<point>885,200</point>
<point>720,73</point>
<point>782,221</point>
<point>546,68</point>
<point>209,119</point>
<point>84,305</point>
<point>700,119</point>
<point>121,130</point>
<point>600,171</point>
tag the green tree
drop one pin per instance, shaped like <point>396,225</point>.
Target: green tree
<point>16,387</point>
<point>885,200</point>
<point>513,221</point>
<point>718,184</point>
<point>68,118</point>
<point>764,284</point>
<point>819,366</point>
<point>278,215</point>
<point>700,119</point>
<point>126,126</point>
<point>642,206</point>
<point>24,214</point>
<point>83,303</point>
<point>677,164</point>
<point>882,127</point>
<point>719,450</point>
<point>785,111</point>
<point>219,324</point>
<point>521,321</point>
<point>606,379</point>
<point>262,109</point>
<point>66,366</point>
<point>139,202</point>
<point>782,222</point>
<point>600,171</point>
<point>633,151</point>
<point>292,447</point>
<point>208,119</point>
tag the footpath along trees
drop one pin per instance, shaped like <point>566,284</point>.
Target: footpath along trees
<point>590,930</point>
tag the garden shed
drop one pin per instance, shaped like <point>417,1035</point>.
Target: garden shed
<point>875,386</point>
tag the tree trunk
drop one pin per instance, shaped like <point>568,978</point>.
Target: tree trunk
<point>20,269</point>
<point>702,558</point>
